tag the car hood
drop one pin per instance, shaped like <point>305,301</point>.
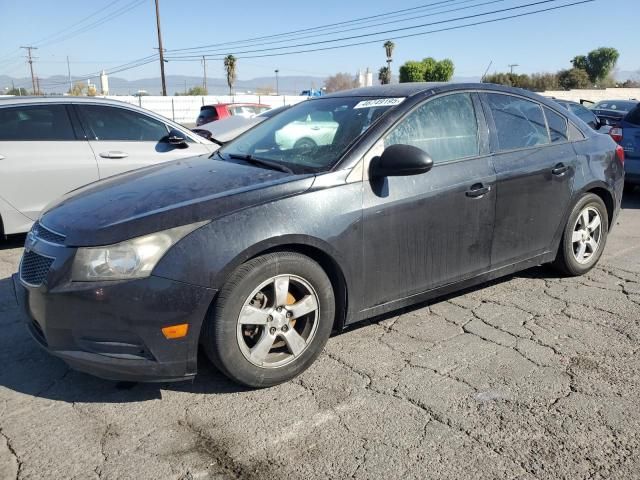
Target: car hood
<point>165,196</point>
<point>227,129</point>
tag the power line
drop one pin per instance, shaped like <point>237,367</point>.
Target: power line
<point>386,32</point>
<point>388,22</point>
<point>399,37</point>
<point>392,14</point>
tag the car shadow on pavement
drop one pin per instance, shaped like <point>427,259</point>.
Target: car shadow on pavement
<point>12,241</point>
<point>631,198</point>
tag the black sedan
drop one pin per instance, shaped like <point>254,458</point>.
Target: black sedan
<point>259,251</point>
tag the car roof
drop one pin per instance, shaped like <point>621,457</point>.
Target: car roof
<point>239,104</point>
<point>29,100</point>
<point>417,88</point>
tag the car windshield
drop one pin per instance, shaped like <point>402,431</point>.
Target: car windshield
<point>310,136</point>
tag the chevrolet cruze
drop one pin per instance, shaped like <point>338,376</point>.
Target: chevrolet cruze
<point>259,251</point>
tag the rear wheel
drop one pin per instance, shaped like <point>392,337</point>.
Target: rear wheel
<point>584,237</point>
<point>270,320</point>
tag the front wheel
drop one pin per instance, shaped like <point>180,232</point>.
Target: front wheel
<point>584,237</point>
<point>271,320</point>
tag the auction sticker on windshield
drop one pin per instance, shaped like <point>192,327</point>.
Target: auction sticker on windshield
<point>380,102</point>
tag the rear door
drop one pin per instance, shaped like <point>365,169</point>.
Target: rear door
<point>124,139</point>
<point>535,165</point>
<point>41,158</point>
<point>424,231</point>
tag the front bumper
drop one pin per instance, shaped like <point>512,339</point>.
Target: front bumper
<point>113,329</point>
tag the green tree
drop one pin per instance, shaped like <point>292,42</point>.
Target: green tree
<point>230,68</point>
<point>427,70</point>
<point>197,91</point>
<point>412,71</point>
<point>573,78</point>
<point>598,63</point>
<point>442,71</point>
<point>384,75</point>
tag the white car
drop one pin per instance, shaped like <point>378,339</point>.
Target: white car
<point>307,132</point>
<point>50,146</point>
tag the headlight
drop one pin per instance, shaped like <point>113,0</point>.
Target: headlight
<point>134,258</point>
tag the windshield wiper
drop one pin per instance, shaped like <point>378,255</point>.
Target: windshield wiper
<point>260,162</point>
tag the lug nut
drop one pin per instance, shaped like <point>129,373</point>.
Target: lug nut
<point>279,309</point>
<point>272,330</point>
<point>285,328</point>
<point>269,318</point>
<point>289,314</point>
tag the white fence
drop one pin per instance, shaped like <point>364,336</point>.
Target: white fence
<point>185,109</point>
<point>595,95</point>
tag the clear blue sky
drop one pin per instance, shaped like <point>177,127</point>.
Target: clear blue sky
<point>543,42</point>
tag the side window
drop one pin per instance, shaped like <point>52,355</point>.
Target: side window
<point>519,122</point>
<point>575,134</point>
<point>445,127</point>
<point>35,122</point>
<point>557,126</point>
<point>583,114</point>
<point>113,123</point>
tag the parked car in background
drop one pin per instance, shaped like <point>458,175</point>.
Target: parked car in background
<point>212,113</point>
<point>584,114</point>
<point>49,146</point>
<point>225,130</point>
<point>610,112</point>
<point>259,252</point>
<point>627,134</point>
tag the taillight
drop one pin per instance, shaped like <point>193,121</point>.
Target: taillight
<point>620,153</point>
<point>616,134</point>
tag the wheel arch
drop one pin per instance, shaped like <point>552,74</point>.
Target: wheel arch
<point>311,247</point>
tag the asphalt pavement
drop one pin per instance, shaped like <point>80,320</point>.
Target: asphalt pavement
<point>530,376</point>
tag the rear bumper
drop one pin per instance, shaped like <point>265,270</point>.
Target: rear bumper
<point>113,330</point>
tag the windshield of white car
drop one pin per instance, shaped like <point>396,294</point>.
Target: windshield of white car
<point>311,136</point>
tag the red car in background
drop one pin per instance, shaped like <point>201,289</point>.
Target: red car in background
<point>211,113</point>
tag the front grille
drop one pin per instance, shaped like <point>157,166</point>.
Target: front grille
<point>43,233</point>
<point>34,268</point>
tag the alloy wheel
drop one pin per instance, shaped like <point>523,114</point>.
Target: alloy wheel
<point>278,321</point>
<point>587,232</point>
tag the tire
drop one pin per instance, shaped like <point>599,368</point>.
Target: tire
<point>236,345</point>
<point>569,259</point>
<point>305,143</point>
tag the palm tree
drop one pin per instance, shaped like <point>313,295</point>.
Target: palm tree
<point>384,75</point>
<point>389,46</point>
<point>230,67</point>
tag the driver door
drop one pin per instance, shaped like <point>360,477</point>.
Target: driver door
<point>428,230</point>
<point>124,139</point>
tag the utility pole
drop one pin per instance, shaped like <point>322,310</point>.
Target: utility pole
<point>512,66</point>
<point>204,68</point>
<point>30,60</point>
<point>161,51</point>
<point>69,75</point>
<point>277,85</point>
<point>37,86</point>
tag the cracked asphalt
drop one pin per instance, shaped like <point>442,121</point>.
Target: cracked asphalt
<point>531,376</point>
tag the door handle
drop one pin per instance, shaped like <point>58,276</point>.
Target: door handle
<point>114,154</point>
<point>477,190</point>
<point>560,169</point>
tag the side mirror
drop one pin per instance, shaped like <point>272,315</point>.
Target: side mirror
<point>176,138</point>
<point>400,160</point>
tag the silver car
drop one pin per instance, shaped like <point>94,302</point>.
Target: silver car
<point>49,146</point>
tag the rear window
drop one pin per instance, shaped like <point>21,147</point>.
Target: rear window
<point>35,122</point>
<point>208,112</point>
<point>557,126</point>
<point>633,117</point>
<point>619,105</point>
<point>519,123</point>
